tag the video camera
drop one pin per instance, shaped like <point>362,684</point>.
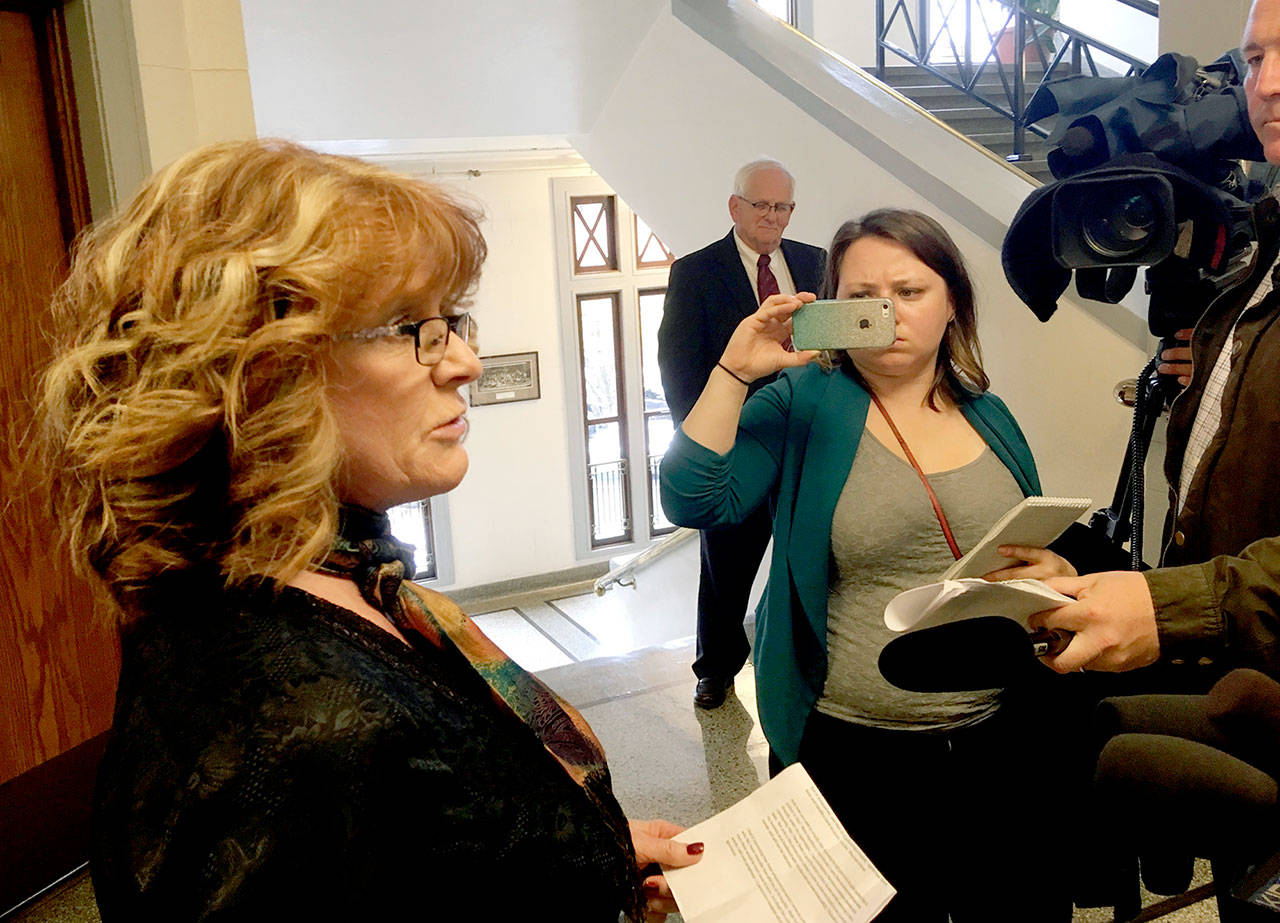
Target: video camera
<point>1146,176</point>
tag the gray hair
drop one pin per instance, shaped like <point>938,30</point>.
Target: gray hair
<point>747,171</point>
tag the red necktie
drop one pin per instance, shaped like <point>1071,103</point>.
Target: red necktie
<point>766,284</point>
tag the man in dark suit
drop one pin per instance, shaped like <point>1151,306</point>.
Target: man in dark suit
<point>708,293</point>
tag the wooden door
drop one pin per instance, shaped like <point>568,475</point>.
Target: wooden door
<point>58,666</point>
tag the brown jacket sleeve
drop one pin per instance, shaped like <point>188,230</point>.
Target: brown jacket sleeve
<point>1228,606</point>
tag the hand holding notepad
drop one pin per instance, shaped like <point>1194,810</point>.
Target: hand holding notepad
<point>1035,522</point>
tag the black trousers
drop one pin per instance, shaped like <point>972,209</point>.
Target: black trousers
<point>731,556</point>
<point>959,823</point>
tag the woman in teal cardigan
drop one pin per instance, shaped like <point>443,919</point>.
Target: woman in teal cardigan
<point>852,524</point>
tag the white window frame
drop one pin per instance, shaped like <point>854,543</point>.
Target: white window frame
<point>628,281</point>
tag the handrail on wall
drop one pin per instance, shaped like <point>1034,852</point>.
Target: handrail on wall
<point>1033,28</point>
<point>625,574</point>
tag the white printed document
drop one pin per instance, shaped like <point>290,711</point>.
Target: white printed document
<point>778,856</point>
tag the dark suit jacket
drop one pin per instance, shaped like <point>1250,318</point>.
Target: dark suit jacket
<point>708,294</point>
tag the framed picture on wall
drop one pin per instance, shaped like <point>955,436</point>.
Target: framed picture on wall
<point>513,377</point>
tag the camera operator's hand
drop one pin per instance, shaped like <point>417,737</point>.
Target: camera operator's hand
<point>1177,361</point>
<point>1030,563</point>
<point>1113,621</point>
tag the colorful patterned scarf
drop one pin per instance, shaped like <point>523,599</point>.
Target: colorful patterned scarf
<point>367,553</point>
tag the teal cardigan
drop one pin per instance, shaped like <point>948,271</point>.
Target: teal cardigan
<point>795,444</point>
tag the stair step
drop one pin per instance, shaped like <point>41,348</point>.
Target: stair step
<point>963,113</point>
<point>990,74</point>
<point>971,119</point>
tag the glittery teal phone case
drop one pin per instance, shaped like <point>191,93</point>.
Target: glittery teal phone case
<point>850,323</point>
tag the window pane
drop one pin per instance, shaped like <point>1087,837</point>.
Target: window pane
<point>594,233</point>
<point>411,524</point>
<point>778,8</point>
<point>604,443</point>
<point>650,319</point>
<point>607,477</point>
<point>658,432</point>
<point>590,256</point>
<point>659,429</point>
<point>650,251</point>
<point>599,355</point>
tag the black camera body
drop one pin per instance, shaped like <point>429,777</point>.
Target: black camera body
<point>1134,211</point>
<point>1146,176</point>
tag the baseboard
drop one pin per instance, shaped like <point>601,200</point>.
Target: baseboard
<point>44,814</point>
<point>505,594</point>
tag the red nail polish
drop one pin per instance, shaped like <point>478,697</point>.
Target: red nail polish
<point>695,849</point>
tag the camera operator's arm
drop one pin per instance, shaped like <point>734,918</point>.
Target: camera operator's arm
<point>1177,361</point>
<point>1227,606</point>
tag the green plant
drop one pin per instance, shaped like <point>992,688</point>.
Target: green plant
<point>1047,8</point>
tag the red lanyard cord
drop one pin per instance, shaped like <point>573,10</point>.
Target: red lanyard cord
<point>933,498</point>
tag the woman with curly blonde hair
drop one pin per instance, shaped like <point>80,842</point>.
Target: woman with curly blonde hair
<point>263,353</point>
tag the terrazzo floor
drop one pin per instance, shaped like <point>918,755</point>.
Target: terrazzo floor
<point>623,660</point>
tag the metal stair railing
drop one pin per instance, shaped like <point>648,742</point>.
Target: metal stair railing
<point>625,574</point>
<point>1033,33</point>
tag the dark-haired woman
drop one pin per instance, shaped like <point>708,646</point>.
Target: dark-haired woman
<point>931,785</point>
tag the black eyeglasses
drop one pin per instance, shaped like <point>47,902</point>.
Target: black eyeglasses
<point>781,209</point>
<point>430,335</point>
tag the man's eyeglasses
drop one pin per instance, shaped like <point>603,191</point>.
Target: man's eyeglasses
<point>762,208</point>
<point>430,335</point>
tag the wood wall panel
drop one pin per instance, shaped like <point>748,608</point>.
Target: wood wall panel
<point>57,666</point>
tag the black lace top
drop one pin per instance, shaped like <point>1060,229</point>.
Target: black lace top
<point>277,757</point>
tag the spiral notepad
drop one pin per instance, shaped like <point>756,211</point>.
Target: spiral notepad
<point>1035,521</point>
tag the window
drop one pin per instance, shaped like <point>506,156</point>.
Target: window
<point>610,325</point>
<point>594,234</point>
<point>651,253</point>
<point>658,428</point>
<point>419,524</point>
<point>779,9</point>
<point>600,356</point>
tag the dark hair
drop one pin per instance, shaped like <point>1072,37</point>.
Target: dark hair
<point>959,373</point>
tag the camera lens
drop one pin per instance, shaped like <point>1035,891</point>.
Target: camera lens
<point>1120,226</point>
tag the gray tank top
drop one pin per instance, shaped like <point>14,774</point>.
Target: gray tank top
<point>885,539</point>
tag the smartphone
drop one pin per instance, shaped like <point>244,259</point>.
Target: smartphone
<point>848,323</point>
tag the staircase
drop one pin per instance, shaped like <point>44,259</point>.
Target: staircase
<point>970,117</point>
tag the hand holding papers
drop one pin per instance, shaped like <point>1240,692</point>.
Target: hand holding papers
<point>778,856</point>
<point>956,600</point>
<point>964,634</point>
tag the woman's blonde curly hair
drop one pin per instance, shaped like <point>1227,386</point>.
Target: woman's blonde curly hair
<point>185,417</point>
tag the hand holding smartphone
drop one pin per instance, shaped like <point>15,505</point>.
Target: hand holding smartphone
<point>847,323</point>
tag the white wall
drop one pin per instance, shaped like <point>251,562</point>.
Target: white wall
<point>1120,26</point>
<point>333,69</point>
<point>1188,27</point>
<point>1057,377</point>
<point>847,27</point>
<point>511,517</point>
